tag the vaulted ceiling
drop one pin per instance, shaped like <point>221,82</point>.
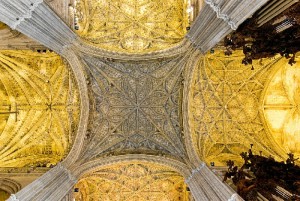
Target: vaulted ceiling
<point>39,108</point>
<point>131,26</point>
<point>137,105</point>
<point>133,182</point>
<point>232,105</point>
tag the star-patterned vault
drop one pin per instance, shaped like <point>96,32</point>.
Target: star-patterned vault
<point>133,182</point>
<point>136,107</point>
<point>226,110</point>
<point>39,108</point>
<point>134,26</point>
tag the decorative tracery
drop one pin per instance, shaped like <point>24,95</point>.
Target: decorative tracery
<point>39,108</point>
<point>225,108</point>
<point>281,107</point>
<point>131,26</point>
<point>132,182</point>
<point>136,108</point>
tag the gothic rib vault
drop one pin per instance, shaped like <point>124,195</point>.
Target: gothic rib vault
<point>232,106</point>
<point>136,107</point>
<point>131,26</point>
<point>134,182</point>
<point>139,107</point>
<point>40,109</point>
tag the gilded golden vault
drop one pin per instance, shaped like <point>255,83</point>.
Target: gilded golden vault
<point>281,106</point>
<point>135,26</point>
<point>230,103</point>
<point>39,108</point>
<point>133,182</point>
<point>136,105</point>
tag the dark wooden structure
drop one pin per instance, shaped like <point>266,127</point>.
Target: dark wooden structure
<point>262,178</point>
<point>274,29</point>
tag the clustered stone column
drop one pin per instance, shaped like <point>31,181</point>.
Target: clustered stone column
<point>38,21</point>
<point>205,185</point>
<point>59,180</point>
<point>218,18</point>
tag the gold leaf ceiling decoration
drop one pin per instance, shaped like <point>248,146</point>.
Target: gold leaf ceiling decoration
<point>281,107</point>
<point>226,107</point>
<point>132,182</point>
<point>135,26</point>
<point>39,108</point>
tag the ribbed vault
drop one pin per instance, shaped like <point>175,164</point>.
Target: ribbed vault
<point>136,108</point>
<point>281,106</point>
<point>228,106</point>
<point>131,26</point>
<point>39,108</point>
<point>135,105</point>
<point>132,182</point>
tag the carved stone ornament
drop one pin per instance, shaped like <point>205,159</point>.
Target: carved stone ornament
<point>131,26</point>
<point>226,110</point>
<point>136,107</point>
<point>40,108</point>
<point>132,181</point>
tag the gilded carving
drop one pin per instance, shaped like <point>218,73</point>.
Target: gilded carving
<point>39,108</point>
<point>131,26</point>
<point>225,108</point>
<point>134,182</point>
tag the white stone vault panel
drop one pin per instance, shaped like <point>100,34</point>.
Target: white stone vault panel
<point>136,108</point>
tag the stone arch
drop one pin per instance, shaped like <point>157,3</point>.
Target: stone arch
<point>77,68</point>
<point>91,166</point>
<point>280,107</point>
<point>148,177</point>
<point>191,66</point>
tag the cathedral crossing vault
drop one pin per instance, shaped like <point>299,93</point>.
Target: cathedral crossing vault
<point>136,107</point>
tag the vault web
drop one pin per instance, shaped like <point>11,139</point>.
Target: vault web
<point>137,108</point>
